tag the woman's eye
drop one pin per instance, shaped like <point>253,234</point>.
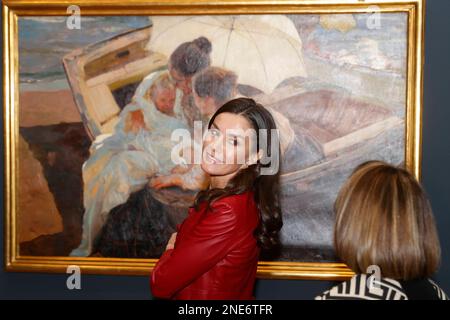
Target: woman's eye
<point>214,132</point>
<point>233,142</point>
<point>211,133</point>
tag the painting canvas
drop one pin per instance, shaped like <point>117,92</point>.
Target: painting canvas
<point>337,81</point>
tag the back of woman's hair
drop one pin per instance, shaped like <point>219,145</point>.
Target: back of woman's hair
<point>192,56</point>
<point>266,187</point>
<point>384,218</point>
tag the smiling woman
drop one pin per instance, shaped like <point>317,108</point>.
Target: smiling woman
<point>219,242</point>
<point>221,161</point>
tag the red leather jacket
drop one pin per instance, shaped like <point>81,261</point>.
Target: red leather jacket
<point>215,254</point>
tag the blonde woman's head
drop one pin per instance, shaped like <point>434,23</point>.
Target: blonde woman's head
<point>384,218</point>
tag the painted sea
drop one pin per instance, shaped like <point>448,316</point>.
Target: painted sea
<point>43,41</point>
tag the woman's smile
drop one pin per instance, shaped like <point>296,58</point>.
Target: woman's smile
<point>213,159</point>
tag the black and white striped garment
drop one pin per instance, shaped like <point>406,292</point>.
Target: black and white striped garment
<point>357,288</point>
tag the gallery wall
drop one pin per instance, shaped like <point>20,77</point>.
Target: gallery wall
<point>435,178</point>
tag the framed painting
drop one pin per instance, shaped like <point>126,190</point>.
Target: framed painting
<point>345,78</point>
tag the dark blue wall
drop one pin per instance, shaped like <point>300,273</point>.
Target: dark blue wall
<point>435,173</point>
<point>436,129</point>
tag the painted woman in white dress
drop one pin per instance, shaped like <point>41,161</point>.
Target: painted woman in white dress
<point>139,228</point>
<point>140,146</point>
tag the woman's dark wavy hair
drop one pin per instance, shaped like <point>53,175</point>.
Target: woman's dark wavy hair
<point>266,187</point>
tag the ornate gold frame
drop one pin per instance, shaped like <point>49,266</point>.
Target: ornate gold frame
<point>12,9</point>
